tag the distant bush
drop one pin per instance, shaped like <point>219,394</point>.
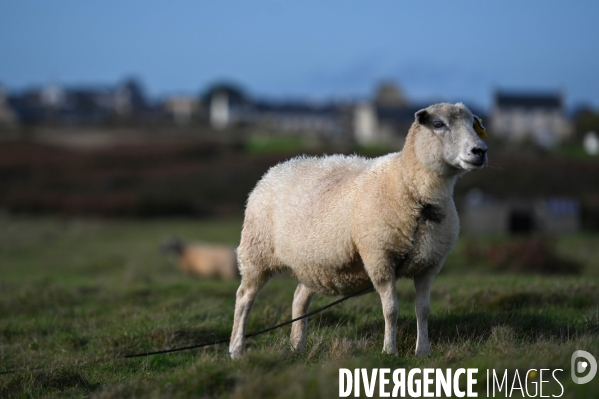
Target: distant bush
<point>189,179</point>
<point>590,212</point>
<point>533,254</point>
<point>265,145</point>
<point>208,178</point>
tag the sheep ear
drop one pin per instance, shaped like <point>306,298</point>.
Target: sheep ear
<point>479,128</point>
<point>421,116</point>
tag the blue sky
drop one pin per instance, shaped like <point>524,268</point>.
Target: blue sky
<point>436,50</point>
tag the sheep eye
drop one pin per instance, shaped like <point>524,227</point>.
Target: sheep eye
<point>438,124</point>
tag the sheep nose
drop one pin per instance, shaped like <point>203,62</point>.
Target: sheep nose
<point>479,151</point>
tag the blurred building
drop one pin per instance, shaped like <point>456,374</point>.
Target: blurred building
<point>230,106</point>
<point>84,105</point>
<point>129,99</point>
<point>590,143</point>
<point>366,124</point>
<point>384,120</point>
<point>55,104</point>
<point>299,117</point>
<point>558,215</point>
<point>220,110</point>
<point>540,118</point>
<point>8,117</point>
<point>395,122</point>
<point>227,104</point>
<point>28,106</point>
<point>52,96</point>
<point>389,95</point>
<point>182,108</point>
<point>485,214</point>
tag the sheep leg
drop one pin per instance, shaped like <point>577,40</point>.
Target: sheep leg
<point>423,284</point>
<point>388,294</point>
<point>301,303</point>
<point>251,284</point>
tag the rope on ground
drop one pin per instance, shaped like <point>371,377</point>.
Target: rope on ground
<point>226,340</point>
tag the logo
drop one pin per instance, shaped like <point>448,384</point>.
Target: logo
<point>579,366</point>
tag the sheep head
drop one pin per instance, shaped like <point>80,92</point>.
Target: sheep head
<point>448,140</point>
<point>172,245</point>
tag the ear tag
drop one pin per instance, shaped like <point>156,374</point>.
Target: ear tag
<point>479,128</point>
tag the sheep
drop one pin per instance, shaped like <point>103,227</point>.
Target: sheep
<point>345,223</point>
<point>203,260</point>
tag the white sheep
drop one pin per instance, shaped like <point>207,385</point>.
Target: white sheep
<point>343,223</point>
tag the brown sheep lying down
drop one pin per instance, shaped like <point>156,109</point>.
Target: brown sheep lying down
<point>203,260</point>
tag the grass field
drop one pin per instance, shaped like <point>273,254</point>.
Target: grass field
<point>75,295</point>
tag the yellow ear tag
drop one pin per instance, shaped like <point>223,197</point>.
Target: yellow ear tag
<point>479,128</point>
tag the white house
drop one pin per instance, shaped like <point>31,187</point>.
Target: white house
<point>530,116</point>
<point>182,108</point>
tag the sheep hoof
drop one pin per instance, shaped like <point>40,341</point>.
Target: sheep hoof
<point>235,354</point>
<point>390,351</point>
<point>297,348</point>
<point>298,344</point>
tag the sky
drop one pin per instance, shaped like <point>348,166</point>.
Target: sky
<point>319,50</point>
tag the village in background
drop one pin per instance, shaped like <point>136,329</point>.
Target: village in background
<point>114,151</point>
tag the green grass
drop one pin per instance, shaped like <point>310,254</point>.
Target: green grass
<point>75,295</point>
<point>573,151</point>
